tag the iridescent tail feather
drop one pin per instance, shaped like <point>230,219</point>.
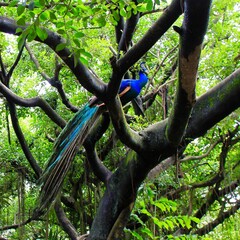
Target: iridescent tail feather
<point>65,149</point>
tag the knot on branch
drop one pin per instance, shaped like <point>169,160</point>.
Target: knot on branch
<point>179,30</point>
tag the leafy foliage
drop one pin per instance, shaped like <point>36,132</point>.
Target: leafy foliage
<point>169,205</point>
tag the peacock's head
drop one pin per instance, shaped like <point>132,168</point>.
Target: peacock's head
<point>143,67</point>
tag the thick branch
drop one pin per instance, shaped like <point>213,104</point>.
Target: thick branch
<point>129,137</point>
<point>196,13</point>
<point>132,171</point>
<point>214,105</point>
<point>155,32</point>
<point>84,76</point>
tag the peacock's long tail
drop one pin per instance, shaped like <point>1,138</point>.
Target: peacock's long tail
<point>65,149</point>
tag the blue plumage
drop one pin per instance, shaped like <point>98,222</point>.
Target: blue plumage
<point>73,136</point>
<point>135,87</point>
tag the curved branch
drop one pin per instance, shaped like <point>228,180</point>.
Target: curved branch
<point>97,166</point>
<point>96,133</point>
<point>162,166</point>
<point>220,219</point>
<point>15,226</point>
<point>32,102</point>
<point>129,137</point>
<point>54,81</point>
<point>128,32</point>
<point>189,158</point>
<point>15,64</point>
<point>84,76</point>
<point>37,64</point>
<point>64,221</point>
<point>22,140</point>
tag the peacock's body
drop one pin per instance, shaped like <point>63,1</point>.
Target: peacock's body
<point>73,136</point>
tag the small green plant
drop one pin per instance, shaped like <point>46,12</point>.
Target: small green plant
<point>157,226</point>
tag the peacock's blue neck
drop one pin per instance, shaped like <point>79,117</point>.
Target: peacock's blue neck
<point>142,79</point>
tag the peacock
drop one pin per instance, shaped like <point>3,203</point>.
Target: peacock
<point>73,136</point>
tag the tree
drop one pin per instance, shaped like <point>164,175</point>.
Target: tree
<point>162,142</point>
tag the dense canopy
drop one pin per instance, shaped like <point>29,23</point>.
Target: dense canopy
<point>164,166</point>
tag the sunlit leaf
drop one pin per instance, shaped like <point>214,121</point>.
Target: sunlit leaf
<point>42,34</point>
<point>20,10</point>
<point>60,46</point>
<point>13,3</point>
<point>145,211</point>
<point>83,60</point>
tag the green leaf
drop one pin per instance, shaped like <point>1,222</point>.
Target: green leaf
<point>141,7</point>
<point>42,34</point>
<point>44,16</point>
<point>149,5</point>
<point>129,14</point>
<point>102,21</point>
<point>170,223</point>
<point>116,15</point>
<point>181,222</point>
<point>60,24</point>
<point>42,2</point>
<point>157,222</point>
<point>32,35</point>
<point>21,41</point>
<point>194,219</point>
<point>123,12</point>
<point>160,206</point>
<point>13,3</point>
<point>60,46</point>
<point>136,235</point>
<point>136,217</point>
<point>21,21</point>
<point>19,30</point>
<point>87,54</point>
<point>147,231</point>
<point>83,60</point>
<point>79,35</point>
<point>53,16</point>
<point>145,211</point>
<point>187,221</point>
<point>61,31</point>
<point>77,42</point>
<point>20,10</point>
